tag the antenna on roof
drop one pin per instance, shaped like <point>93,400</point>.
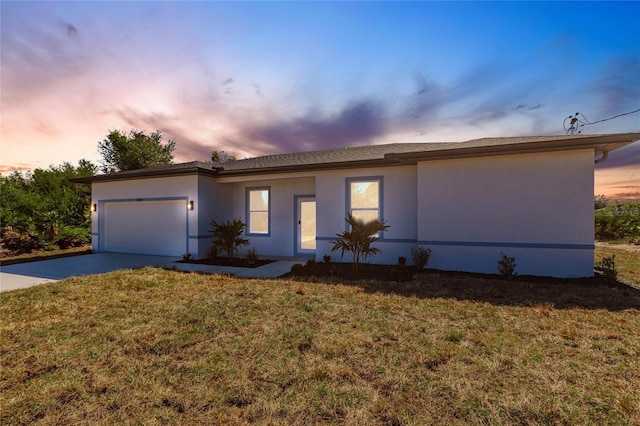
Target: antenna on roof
<point>575,121</point>
<point>573,124</point>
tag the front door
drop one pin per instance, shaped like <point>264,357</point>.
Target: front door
<point>305,224</point>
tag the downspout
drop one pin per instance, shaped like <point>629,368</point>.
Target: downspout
<point>605,154</point>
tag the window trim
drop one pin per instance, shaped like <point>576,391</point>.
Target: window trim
<point>380,181</point>
<point>248,210</point>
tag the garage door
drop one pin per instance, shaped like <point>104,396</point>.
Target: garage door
<point>145,227</point>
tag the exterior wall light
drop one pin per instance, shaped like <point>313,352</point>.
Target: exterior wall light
<point>190,205</point>
<point>94,208</point>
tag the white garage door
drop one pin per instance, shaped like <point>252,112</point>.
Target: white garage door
<point>146,227</point>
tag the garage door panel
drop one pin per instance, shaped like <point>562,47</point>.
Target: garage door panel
<point>146,227</point>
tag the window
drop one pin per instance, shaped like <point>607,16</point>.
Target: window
<point>258,210</point>
<point>363,198</point>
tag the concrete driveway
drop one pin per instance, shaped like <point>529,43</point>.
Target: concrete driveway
<point>25,275</point>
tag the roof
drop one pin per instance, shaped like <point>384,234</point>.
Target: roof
<point>381,155</point>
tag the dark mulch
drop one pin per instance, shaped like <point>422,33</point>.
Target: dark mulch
<point>44,255</point>
<point>597,292</point>
<point>224,261</point>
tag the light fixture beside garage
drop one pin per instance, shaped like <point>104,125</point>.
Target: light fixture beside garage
<point>94,208</point>
<point>190,205</point>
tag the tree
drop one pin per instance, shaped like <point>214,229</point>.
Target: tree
<point>359,238</point>
<point>43,204</point>
<point>228,236</point>
<point>136,150</point>
<point>221,157</point>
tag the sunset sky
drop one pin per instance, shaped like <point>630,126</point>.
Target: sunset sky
<point>272,77</point>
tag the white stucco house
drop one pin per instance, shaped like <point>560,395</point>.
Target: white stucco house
<point>527,197</point>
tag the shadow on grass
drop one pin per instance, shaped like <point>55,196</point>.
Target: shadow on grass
<point>587,293</point>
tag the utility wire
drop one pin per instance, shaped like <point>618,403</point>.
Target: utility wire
<point>575,121</point>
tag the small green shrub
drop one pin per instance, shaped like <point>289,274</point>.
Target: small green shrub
<point>326,258</point>
<point>251,256</point>
<point>420,256</point>
<point>507,266</point>
<point>608,267</point>
<point>310,263</point>
<point>296,268</point>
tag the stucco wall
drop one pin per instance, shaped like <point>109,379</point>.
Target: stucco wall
<point>280,241</point>
<point>154,188</point>
<point>399,210</point>
<point>537,208</point>
<point>214,203</point>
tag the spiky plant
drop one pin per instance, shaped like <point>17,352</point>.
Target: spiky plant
<point>227,237</point>
<point>358,239</point>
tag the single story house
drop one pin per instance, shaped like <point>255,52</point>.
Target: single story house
<point>527,197</point>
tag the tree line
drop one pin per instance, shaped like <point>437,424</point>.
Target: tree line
<point>42,209</point>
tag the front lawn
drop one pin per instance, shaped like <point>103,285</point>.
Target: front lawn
<point>152,346</point>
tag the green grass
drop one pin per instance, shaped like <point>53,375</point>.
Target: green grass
<point>152,346</point>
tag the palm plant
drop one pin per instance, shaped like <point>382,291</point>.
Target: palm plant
<point>227,237</point>
<point>358,239</point>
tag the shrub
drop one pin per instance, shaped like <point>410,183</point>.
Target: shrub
<point>359,238</point>
<point>608,267</point>
<point>618,222</point>
<point>600,201</point>
<point>296,268</point>
<point>186,256</point>
<point>252,256</point>
<point>420,256</point>
<point>507,266</point>
<point>19,242</point>
<point>228,236</point>
<point>402,261</point>
<point>212,253</point>
<point>326,258</point>
<point>335,271</point>
<point>310,263</point>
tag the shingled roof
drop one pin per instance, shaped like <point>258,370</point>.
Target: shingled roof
<point>381,155</point>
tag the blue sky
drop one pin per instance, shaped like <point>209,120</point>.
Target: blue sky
<point>268,77</point>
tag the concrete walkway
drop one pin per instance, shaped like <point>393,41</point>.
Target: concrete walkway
<point>24,275</point>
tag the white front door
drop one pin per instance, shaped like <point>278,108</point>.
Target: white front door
<point>305,224</point>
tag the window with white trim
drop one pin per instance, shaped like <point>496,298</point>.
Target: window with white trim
<point>258,214</point>
<point>364,198</point>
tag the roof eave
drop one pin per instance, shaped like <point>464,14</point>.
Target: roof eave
<point>313,167</point>
<point>600,144</point>
<point>144,175</point>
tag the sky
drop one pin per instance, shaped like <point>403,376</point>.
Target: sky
<point>256,78</point>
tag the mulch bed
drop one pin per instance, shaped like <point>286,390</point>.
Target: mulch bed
<point>224,261</point>
<point>597,292</point>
